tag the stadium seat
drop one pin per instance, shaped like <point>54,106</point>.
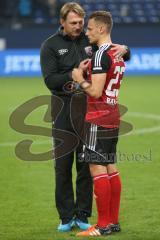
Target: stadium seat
<point>123,11</point>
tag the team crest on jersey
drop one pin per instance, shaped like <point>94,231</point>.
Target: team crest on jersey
<point>62,51</point>
<point>88,51</point>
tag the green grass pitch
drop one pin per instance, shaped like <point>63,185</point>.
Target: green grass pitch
<point>27,206</point>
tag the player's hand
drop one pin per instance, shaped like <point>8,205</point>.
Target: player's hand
<point>84,64</point>
<point>120,50</point>
<point>77,75</point>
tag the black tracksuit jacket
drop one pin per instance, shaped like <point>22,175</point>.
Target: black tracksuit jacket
<point>59,55</point>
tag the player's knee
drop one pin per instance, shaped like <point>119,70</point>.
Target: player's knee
<point>111,168</point>
<point>97,169</point>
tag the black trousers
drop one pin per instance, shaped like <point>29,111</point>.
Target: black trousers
<point>68,203</point>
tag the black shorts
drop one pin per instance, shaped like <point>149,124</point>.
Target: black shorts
<point>100,145</point>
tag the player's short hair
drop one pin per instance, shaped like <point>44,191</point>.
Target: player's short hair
<point>103,17</point>
<point>71,7</point>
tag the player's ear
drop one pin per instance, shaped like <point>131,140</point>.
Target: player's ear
<point>101,29</point>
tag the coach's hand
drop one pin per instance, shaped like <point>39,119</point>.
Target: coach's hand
<point>84,64</point>
<point>120,50</point>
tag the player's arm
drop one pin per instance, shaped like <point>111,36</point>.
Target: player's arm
<point>49,66</point>
<point>95,88</point>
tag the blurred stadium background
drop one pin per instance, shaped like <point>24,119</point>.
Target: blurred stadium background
<point>27,208</point>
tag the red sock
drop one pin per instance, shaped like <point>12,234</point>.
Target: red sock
<point>115,183</point>
<point>102,195</point>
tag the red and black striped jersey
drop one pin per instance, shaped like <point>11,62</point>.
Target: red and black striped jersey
<point>104,111</point>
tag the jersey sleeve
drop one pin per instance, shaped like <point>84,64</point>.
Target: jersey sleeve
<point>101,62</point>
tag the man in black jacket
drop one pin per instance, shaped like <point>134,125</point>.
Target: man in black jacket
<point>61,53</point>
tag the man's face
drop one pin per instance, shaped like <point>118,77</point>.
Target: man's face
<point>73,24</point>
<point>93,31</point>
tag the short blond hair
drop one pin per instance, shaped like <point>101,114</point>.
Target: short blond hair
<point>71,7</point>
<point>103,17</point>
